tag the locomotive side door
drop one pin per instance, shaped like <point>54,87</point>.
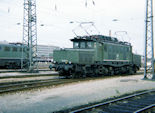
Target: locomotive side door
<point>99,51</point>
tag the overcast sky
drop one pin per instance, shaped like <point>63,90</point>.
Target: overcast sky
<point>57,29</point>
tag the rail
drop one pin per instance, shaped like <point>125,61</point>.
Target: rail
<point>133,103</point>
<point>22,85</point>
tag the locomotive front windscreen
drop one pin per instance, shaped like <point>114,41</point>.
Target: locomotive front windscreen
<point>83,45</point>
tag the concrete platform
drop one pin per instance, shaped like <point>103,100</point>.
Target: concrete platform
<point>48,100</point>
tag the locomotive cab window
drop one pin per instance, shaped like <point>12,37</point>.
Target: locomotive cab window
<point>89,44</point>
<point>76,45</point>
<point>6,48</point>
<point>82,45</point>
<point>14,49</point>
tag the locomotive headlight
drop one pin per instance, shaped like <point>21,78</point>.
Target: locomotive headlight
<point>70,62</point>
<point>54,62</point>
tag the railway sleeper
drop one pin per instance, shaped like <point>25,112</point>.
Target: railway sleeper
<point>123,107</point>
<point>132,104</point>
<point>140,103</point>
<point>116,110</point>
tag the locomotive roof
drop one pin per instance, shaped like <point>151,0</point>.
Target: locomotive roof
<point>12,44</point>
<point>100,38</point>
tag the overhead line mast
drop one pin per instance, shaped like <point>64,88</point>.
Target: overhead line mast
<point>30,33</point>
<point>149,46</point>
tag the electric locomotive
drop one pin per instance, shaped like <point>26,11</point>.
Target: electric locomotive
<point>96,55</point>
<point>11,55</point>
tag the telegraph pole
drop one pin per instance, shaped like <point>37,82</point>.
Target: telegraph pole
<point>30,34</point>
<point>149,46</point>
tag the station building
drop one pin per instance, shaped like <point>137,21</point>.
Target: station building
<point>45,52</point>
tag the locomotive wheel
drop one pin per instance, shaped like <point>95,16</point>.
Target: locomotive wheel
<point>9,66</point>
<point>135,69</point>
<point>64,73</point>
<point>79,74</point>
<point>74,75</point>
<point>61,73</point>
<point>131,71</point>
<point>116,71</point>
<point>106,71</point>
<point>83,74</point>
<point>96,72</point>
<point>100,70</point>
<point>111,71</point>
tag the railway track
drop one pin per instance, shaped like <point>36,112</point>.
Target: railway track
<point>30,84</point>
<point>143,102</point>
<point>25,75</point>
<point>23,85</point>
<point>18,70</point>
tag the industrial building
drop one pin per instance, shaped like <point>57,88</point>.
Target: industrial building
<point>45,52</point>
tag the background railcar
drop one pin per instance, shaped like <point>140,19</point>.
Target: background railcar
<point>11,55</point>
<point>96,55</point>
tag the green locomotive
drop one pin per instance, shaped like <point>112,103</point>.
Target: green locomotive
<point>11,55</point>
<point>96,55</point>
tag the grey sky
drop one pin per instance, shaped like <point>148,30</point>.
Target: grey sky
<point>57,29</point>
